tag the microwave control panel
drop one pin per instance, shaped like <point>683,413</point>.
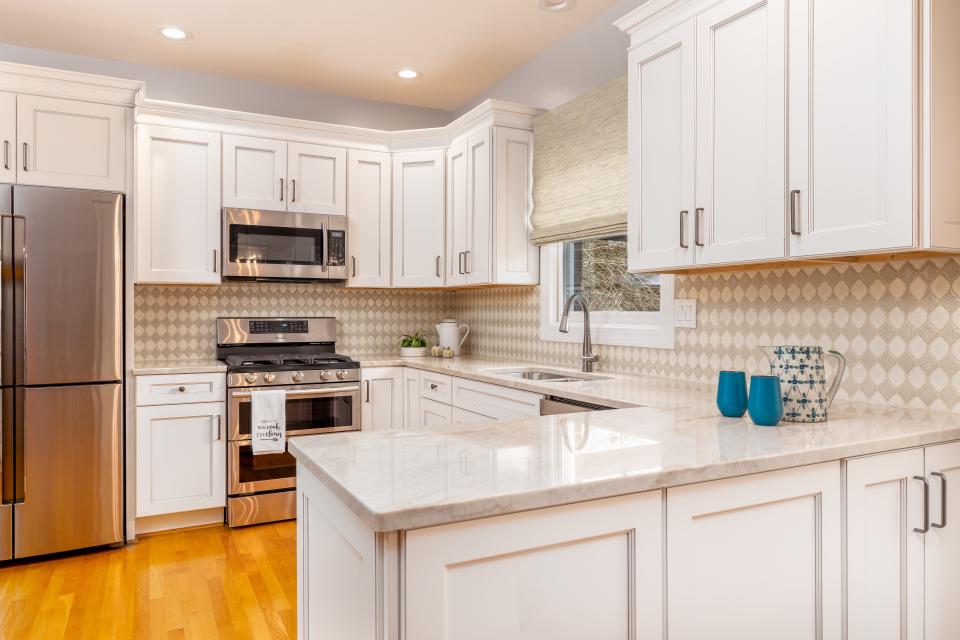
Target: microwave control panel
<point>337,251</point>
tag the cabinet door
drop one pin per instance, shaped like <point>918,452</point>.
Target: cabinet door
<point>458,213</point>
<point>884,555</point>
<point>851,125</point>
<point>411,398</point>
<point>661,151</point>
<point>741,135</point>
<point>434,414</point>
<point>382,399</point>
<point>587,570</point>
<point>8,137</point>
<point>943,542</point>
<point>181,458</point>
<point>756,556</point>
<point>69,143</point>
<point>462,416</point>
<point>318,179</point>
<point>418,238</point>
<point>178,206</point>
<point>254,173</point>
<point>515,259</point>
<point>476,259</point>
<point>368,218</point>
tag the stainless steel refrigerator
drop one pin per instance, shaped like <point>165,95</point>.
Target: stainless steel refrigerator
<point>61,299</point>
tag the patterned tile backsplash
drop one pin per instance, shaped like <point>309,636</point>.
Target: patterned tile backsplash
<point>898,324</point>
<point>178,322</point>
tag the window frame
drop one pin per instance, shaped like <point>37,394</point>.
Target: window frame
<point>654,329</point>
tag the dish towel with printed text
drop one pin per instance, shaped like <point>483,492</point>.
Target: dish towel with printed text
<point>268,421</point>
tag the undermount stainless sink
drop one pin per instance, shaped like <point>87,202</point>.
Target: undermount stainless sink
<point>545,375</point>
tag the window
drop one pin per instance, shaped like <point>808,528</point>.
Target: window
<point>627,309</point>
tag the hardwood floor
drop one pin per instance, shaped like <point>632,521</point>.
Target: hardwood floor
<point>204,583</point>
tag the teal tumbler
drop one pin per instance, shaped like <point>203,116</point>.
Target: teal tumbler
<point>732,393</point>
<point>766,403</point>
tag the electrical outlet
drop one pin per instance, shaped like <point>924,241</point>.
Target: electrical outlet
<point>685,313</point>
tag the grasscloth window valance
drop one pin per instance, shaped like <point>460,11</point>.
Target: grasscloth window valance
<point>580,167</point>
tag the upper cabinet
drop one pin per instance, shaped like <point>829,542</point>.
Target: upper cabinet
<point>177,223</point>
<point>65,143</point>
<point>261,173</point>
<point>368,218</point>
<point>770,131</point>
<point>489,185</point>
<point>418,211</point>
<point>8,137</point>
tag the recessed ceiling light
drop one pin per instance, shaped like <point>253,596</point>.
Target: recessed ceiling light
<point>174,33</point>
<point>556,6</point>
<point>408,74</point>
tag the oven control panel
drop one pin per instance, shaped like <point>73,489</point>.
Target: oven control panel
<point>279,326</point>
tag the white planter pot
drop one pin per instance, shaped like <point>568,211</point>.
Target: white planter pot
<point>414,352</point>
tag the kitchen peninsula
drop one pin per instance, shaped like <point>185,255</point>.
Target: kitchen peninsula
<point>613,524</point>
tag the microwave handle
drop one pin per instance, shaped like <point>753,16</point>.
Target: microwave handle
<point>325,234</point>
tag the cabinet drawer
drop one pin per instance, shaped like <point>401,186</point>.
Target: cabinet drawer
<point>180,388</point>
<point>435,386</point>
<point>493,400</point>
<point>433,415</point>
<point>462,416</point>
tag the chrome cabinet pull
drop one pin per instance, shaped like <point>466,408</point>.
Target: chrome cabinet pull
<point>353,266</point>
<point>6,154</point>
<point>293,190</point>
<point>697,222</point>
<point>683,229</point>
<point>216,261</point>
<point>794,207</point>
<point>943,501</point>
<point>281,189</point>
<point>438,266</point>
<point>926,505</point>
<point>460,262</point>
<point>466,262</point>
<point>219,429</point>
<point>25,157</point>
<point>367,382</point>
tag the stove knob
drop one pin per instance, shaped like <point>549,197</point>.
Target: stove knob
<point>324,375</point>
<point>297,376</point>
<point>250,378</point>
<point>341,374</point>
<point>269,377</point>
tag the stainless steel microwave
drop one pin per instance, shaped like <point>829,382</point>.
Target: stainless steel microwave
<point>276,245</point>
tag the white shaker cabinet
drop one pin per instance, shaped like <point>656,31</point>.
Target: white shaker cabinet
<point>514,260</point>
<point>254,173</point>
<point>178,206</point>
<point>418,219</point>
<point>458,213</point>
<point>662,84</point>
<point>368,218</point>
<point>756,556</point>
<point>942,557</point>
<point>8,137</point>
<point>852,122</point>
<point>884,504</point>
<point>381,397</point>
<point>741,136</point>
<point>411,398</point>
<point>70,143</point>
<point>318,179</point>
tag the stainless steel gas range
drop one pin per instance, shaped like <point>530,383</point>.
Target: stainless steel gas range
<point>322,388</point>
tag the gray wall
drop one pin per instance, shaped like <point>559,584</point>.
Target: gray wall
<point>591,56</point>
<point>243,95</point>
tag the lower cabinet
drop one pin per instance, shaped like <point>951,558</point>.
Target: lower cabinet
<point>903,551</point>
<point>434,414</point>
<point>757,556</point>
<point>181,458</point>
<point>411,398</point>
<point>382,399</point>
<point>588,570</point>
<point>462,416</point>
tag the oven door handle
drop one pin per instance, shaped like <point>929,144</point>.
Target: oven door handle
<point>304,392</point>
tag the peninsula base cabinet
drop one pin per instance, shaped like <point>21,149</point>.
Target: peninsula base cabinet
<point>903,548</point>
<point>381,398</point>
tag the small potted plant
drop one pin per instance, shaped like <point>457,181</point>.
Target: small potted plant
<point>413,345</point>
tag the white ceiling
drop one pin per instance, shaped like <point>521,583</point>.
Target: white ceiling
<point>348,47</point>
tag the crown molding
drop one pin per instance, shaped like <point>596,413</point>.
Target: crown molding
<point>643,14</point>
<point>73,85</point>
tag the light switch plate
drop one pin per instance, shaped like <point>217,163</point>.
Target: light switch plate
<point>685,313</point>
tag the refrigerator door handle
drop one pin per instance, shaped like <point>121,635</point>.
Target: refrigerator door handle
<point>7,277</point>
<point>19,322</point>
<point>6,449</point>
<point>19,473</point>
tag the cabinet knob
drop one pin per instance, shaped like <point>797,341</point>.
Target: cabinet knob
<point>433,386</point>
<point>181,389</point>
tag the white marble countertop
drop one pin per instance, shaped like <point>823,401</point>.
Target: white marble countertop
<point>407,480</point>
<point>164,367</point>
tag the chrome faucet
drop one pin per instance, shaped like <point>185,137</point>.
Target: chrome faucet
<point>587,357</point>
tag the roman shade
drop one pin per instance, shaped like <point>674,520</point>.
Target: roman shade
<point>580,167</point>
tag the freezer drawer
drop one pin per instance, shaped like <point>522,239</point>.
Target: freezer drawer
<point>70,482</point>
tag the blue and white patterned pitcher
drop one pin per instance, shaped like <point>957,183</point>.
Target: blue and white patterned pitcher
<point>803,380</point>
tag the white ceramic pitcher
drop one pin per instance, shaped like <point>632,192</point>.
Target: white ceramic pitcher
<point>803,380</point>
<point>452,333</point>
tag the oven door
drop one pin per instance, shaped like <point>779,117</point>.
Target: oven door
<point>310,409</point>
<point>277,244</point>
<point>264,472</point>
